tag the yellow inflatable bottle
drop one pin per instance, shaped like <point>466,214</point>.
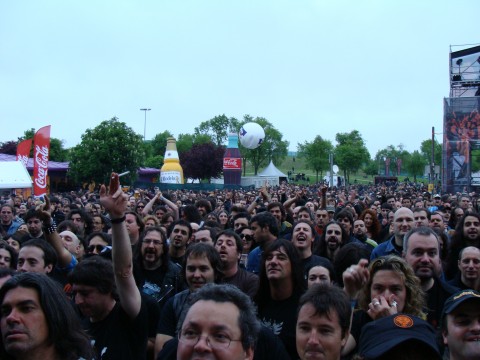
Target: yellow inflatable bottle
<point>171,171</point>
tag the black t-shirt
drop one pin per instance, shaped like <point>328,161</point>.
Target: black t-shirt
<point>245,281</point>
<point>118,337</point>
<point>436,297</point>
<point>281,318</point>
<point>170,314</point>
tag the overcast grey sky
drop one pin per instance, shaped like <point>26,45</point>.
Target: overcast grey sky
<point>309,67</point>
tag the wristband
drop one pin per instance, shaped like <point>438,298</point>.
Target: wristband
<point>118,220</point>
<point>50,229</point>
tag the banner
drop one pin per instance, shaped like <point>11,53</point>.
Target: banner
<point>41,152</point>
<point>23,151</point>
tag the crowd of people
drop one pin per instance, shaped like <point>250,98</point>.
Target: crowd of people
<point>284,272</point>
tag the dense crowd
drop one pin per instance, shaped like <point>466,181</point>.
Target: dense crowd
<point>301,271</point>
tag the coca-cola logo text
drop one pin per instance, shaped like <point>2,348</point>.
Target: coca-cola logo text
<point>232,163</point>
<point>41,159</point>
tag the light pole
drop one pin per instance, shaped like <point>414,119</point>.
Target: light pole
<point>145,125</point>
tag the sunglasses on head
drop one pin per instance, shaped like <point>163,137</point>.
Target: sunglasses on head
<point>246,237</point>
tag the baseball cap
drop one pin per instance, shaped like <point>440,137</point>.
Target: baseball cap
<point>437,196</point>
<point>457,299</point>
<point>395,330</point>
<point>330,208</point>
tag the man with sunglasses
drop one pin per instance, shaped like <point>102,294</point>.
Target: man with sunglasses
<point>229,247</point>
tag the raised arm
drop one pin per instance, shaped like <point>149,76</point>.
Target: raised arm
<point>149,206</point>
<point>171,205</point>
<point>52,236</point>
<point>115,202</point>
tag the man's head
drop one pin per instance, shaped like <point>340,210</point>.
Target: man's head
<point>334,236</point>
<point>302,236</point>
<point>345,219</point>
<point>154,248</point>
<point>49,327</point>
<point>205,235</point>
<point>469,225</point>
<point>281,264</point>
<point>241,220</point>
<point>421,217</point>
<point>7,213</point>
<point>323,323</point>
<point>321,217</point>
<point>36,255</point>
<point>34,223</point>
<point>229,247</point>
<point>264,226</point>
<point>461,325</point>
<point>71,242</point>
<point>204,207</point>
<point>220,324</point>
<point>469,264</point>
<point>93,284</point>
<point>202,266</point>
<point>421,250</point>
<point>180,232</point>
<point>407,202</point>
<point>304,213</point>
<point>436,221</point>
<point>402,223</point>
<point>465,201</point>
<point>359,229</point>
<point>277,210</point>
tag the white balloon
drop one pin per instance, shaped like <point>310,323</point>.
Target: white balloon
<point>251,135</point>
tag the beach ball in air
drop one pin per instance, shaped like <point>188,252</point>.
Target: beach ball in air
<point>251,135</point>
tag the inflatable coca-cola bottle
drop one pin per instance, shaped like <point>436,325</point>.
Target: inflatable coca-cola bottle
<point>232,162</point>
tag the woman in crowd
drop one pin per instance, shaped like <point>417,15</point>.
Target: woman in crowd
<point>386,287</point>
<point>372,224</point>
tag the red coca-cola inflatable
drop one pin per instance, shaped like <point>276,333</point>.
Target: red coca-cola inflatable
<point>232,162</point>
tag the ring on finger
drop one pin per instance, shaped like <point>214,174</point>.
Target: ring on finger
<point>394,304</point>
<point>376,303</point>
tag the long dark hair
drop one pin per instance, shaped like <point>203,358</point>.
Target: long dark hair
<point>263,294</point>
<point>64,328</point>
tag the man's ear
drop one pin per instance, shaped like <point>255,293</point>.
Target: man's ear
<point>48,268</point>
<point>249,354</point>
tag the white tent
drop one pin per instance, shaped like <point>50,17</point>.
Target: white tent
<point>271,170</point>
<point>270,174</point>
<point>14,175</point>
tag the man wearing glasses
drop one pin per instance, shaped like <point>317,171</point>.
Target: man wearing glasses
<point>220,324</point>
<point>154,272</point>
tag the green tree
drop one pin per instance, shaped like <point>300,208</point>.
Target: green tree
<point>394,154</point>
<point>416,164</point>
<point>218,128</point>
<point>426,151</point>
<point>316,154</point>
<point>159,143</point>
<point>111,146</point>
<point>185,142</point>
<point>57,152</point>
<point>350,152</point>
<point>272,148</point>
<point>371,168</point>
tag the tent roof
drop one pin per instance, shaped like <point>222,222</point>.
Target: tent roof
<point>271,170</point>
<point>13,175</point>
